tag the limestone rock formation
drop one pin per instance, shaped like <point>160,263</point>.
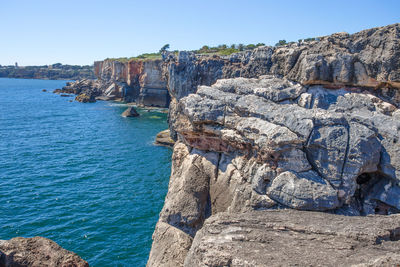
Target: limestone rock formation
<point>295,238</point>
<point>369,58</point>
<point>310,126</point>
<point>300,157</point>
<point>130,112</point>
<point>163,138</point>
<point>84,98</point>
<point>36,252</point>
<point>141,81</point>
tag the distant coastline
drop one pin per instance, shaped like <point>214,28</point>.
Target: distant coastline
<point>56,71</point>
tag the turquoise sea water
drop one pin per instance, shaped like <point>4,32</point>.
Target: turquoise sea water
<point>80,174</point>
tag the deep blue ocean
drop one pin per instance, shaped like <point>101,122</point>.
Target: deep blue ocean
<point>80,174</point>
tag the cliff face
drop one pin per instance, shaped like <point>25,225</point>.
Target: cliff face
<point>365,59</point>
<point>135,80</point>
<point>319,132</point>
<point>111,70</point>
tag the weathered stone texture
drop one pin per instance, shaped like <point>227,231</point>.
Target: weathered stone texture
<point>310,126</point>
<point>139,81</point>
<point>36,252</point>
<point>296,238</point>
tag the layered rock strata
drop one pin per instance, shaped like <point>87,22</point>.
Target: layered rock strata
<point>136,80</point>
<point>319,132</point>
<point>36,252</point>
<point>268,143</point>
<point>369,58</point>
<point>296,238</point>
<point>139,81</point>
<point>163,138</point>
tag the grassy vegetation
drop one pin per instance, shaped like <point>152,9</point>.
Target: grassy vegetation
<point>283,42</point>
<point>225,50</point>
<point>221,50</point>
<point>144,57</point>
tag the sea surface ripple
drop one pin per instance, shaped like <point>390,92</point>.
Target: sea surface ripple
<point>80,174</point>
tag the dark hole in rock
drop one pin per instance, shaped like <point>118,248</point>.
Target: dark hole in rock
<point>365,186</point>
<point>385,209</point>
<point>394,141</point>
<point>272,156</point>
<point>394,235</point>
<point>369,197</point>
<point>363,178</point>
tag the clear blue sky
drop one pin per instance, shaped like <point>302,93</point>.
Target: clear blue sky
<point>38,32</point>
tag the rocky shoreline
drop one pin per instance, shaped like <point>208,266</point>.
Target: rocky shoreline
<point>139,81</point>
<point>308,126</point>
<point>37,252</point>
<point>286,155</point>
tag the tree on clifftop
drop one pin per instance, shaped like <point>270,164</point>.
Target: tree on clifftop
<point>164,48</point>
<point>281,42</point>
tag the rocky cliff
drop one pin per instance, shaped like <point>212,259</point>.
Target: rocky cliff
<point>140,81</point>
<point>309,126</point>
<point>36,252</point>
<point>135,80</point>
<point>365,59</point>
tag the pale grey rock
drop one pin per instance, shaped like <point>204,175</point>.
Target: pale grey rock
<point>304,191</point>
<point>294,160</point>
<point>338,141</point>
<point>309,125</point>
<point>262,177</point>
<point>170,246</point>
<point>186,205</point>
<point>304,100</point>
<point>326,150</point>
<point>295,238</point>
<point>130,112</point>
<point>363,156</point>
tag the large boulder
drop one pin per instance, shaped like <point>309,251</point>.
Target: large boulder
<point>163,138</point>
<point>36,252</point>
<point>85,98</point>
<point>130,112</point>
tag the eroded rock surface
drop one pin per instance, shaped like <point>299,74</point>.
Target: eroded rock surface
<point>37,252</point>
<point>310,126</point>
<point>163,138</point>
<point>308,157</point>
<point>241,148</point>
<point>130,112</point>
<point>369,58</point>
<point>296,238</point>
<point>139,81</point>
